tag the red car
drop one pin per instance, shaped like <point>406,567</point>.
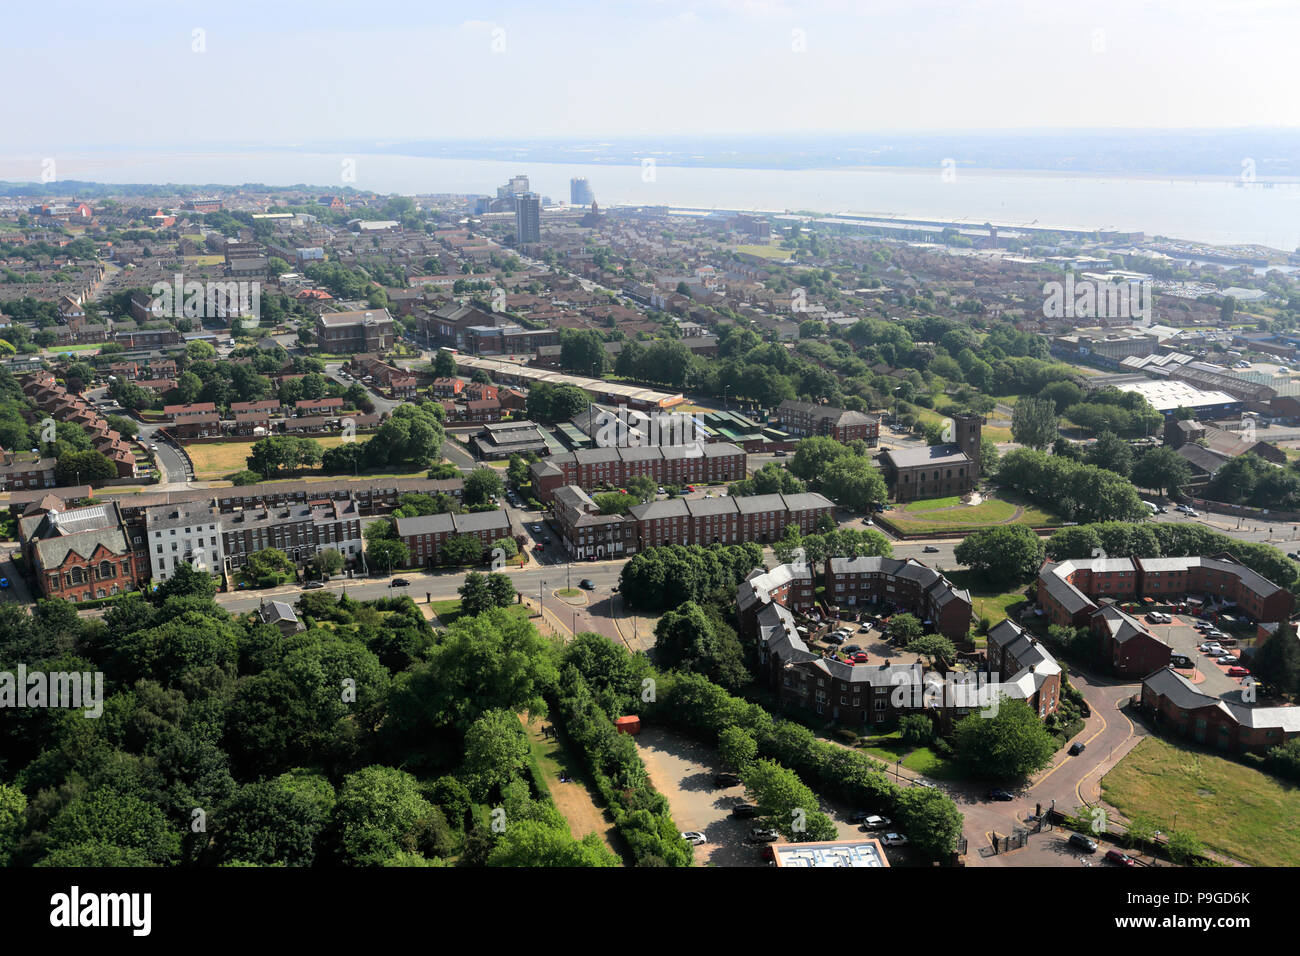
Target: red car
<point>858,658</point>
<point>1238,672</point>
<point>1122,859</point>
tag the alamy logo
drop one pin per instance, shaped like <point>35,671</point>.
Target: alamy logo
<point>72,690</point>
<point>207,300</point>
<point>1089,299</point>
<point>980,692</point>
<point>74,909</point>
<point>635,429</point>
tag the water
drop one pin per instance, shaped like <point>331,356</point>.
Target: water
<point>1221,212</point>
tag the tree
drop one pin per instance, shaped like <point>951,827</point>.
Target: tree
<point>813,455</point>
<point>1003,555</point>
<point>462,549</point>
<point>1111,452</point>
<point>1034,423</point>
<point>268,567</point>
<point>642,487</point>
<point>444,364</point>
<point>502,589</point>
<point>854,483</point>
<point>906,627</point>
<point>475,598</point>
<point>737,748</point>
<point>534,843</point>
<point>327,561</point>
<point>932,821</point>
<point>185,581</point>
<point>378,810</point>
<point>691,639</point>
<point>384,554</point>
<point>1277,661</point>
<point>916,729</point>
<point>496,750</point>
<point>1162,469</point>
<point>785,803</point>
<point>934,646</point>
<point>269,823</point>
<point>82,467</point>
<point>1013,743</point>
<point>481,485</point>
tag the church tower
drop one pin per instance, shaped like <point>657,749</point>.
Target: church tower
<point>966,436</point>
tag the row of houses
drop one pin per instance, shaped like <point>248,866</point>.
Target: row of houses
<point>53,398</point>
<point>81,552</point>
<point>679,465</point>
<point>586,533</point>
<point>426,536</point>
<point>1069,591</point>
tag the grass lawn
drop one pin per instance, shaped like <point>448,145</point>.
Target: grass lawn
<point>938,515</point>
<point>568,592</point>
<point>449,610</point>
<point>1231,808</point>
<point>217,459</point>
<point>85,347</point>
<point>891,749</point>
<point>204,260</point>
<point>995,605</point>
<point>767,252</point>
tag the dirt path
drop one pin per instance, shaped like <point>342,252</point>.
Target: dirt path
<point>572,799</point>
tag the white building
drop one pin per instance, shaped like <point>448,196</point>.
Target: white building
<point>184,534</point>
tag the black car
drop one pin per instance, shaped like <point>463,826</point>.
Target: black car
<point>744,811</point>
<point>587,584</point>
<point>401,583</point>
<point>724,780</point>
<point>1076,748</point>
<point>1083,843</point>
<point>1000,795</point>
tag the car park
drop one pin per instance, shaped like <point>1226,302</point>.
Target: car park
<point>694,837</point>
<point>1081,842</point>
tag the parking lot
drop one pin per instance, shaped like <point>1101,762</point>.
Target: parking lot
<point>683,770</point>
<point>1184,638</point>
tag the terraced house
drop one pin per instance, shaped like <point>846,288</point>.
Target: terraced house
<point>908,585</point>
<point>727,520</point>
<point>592,468</point>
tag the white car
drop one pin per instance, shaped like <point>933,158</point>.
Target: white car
<point>894,839</point>
<point>1226,659</point>
<point>694,837</point>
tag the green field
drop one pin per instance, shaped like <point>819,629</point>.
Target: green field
<point>218,459</point>
<point>944,515</point>
<point>449,610</point>
<point>995,605</point>
<point>1229,807</point>
<point>767,252</point>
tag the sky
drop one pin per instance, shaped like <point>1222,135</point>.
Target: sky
<point>190,74</point>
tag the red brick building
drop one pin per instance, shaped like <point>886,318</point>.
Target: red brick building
<point>592,468</point>
<point>802,418</point>
<point>83,554</point>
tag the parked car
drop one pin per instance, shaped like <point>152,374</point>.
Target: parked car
<point>767,853</point>
<point>835,638</point>
<point>537,529</point>
<point>875,822</point>
<point>1236,671</point>
<point>724,780</point>
<point>4,582</point>
<point>851,648</point>
<point>1119,858</point>
<point>694,837</point>
<point>858,658</point>
<point>1180,660</point>
<point>1081,842</point>
<point>894,839</point>
<point>744,811</point>
<point>921,782</point>
<point>930,549</point>
<point>313,585</point>
<point>1227,659</point>
<point>1077,748</point>
<point>401,583</point>
<point>1000,795</point>
<point>587,584</point>
<point>764,835</point>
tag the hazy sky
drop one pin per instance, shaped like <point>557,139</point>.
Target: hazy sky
<point>87,75</point>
